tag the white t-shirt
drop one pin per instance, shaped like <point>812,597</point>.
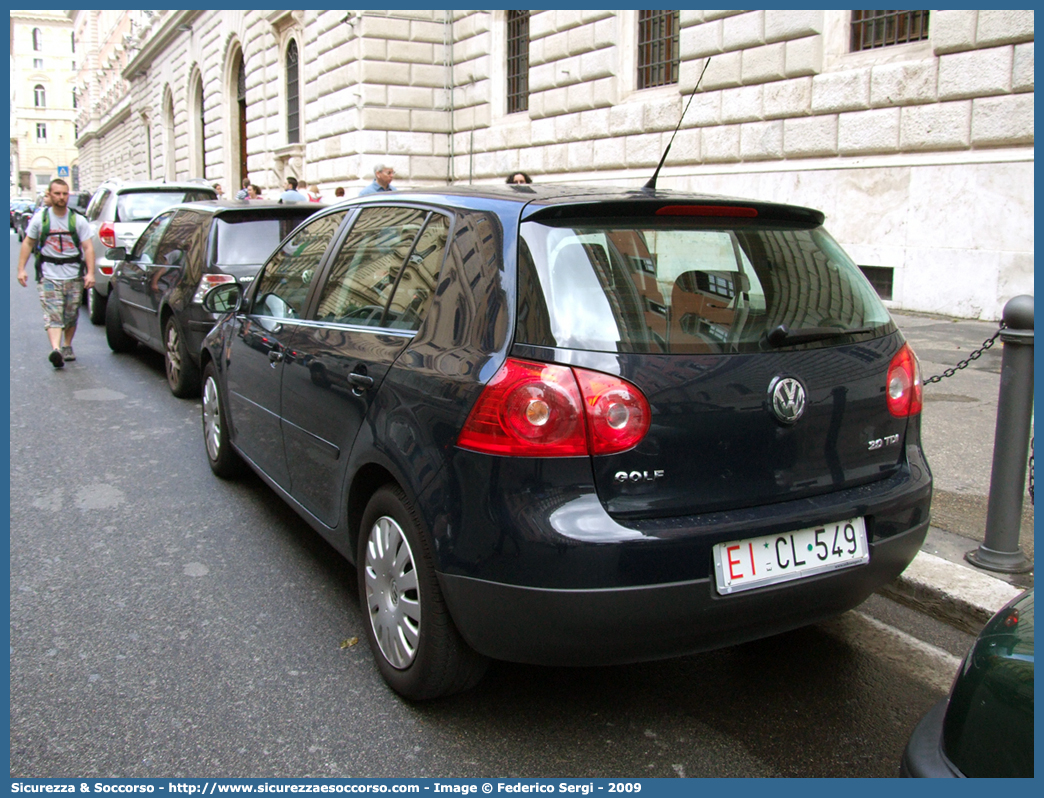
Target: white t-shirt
<point>59,243</point>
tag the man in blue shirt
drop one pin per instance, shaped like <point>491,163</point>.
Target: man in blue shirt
<point>292,194</point>
<point>382,177</point>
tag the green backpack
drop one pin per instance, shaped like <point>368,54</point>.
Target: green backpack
<point>45,231</point>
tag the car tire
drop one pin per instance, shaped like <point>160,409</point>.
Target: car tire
<point>115,335</point>
<point>224,461</point>
<point>418,650</point>
<point>96,307</point>
<point>182,372</point>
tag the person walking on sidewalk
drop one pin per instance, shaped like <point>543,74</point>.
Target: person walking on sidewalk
<point>64,267</point>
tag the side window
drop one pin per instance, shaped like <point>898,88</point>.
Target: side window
<point>95,208</point>
<point>282,286</point>
<point>175,248</point>
<point>416,287</point>
<point>372,268</point>
<point>145,249</point>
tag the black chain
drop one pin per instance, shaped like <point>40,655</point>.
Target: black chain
<point>968,360</point>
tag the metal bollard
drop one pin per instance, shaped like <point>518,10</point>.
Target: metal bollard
<point>1000,550</point>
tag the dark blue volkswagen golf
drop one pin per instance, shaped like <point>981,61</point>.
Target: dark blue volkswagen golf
<point>574,426</point>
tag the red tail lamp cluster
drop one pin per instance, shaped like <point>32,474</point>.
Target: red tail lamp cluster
<point>107,234</point>
<point>542,410</point>
<point>905,392</point>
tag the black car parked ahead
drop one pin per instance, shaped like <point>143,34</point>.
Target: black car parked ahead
<point>574,426</point>
<point>185,250</point>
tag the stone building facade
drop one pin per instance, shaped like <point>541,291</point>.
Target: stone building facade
<point>43,106</point>
<point>919,152</point>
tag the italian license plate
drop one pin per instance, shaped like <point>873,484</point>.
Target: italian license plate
<point>771,559</point>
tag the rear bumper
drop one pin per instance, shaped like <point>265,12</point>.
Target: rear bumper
<point>101,279</point>
<point>923,757</point>
<point>631,624</point>
<point>560,582</point>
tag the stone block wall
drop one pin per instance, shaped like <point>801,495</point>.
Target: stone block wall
<point>783,106</point>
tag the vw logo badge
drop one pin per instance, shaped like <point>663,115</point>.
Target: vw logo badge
<point>787,397</point>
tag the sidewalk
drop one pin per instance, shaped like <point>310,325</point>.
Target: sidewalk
<point>958,425</point>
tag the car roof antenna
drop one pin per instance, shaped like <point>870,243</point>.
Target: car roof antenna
<point>652,180</point>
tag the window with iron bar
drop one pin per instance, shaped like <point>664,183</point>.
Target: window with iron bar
<point>657,48</point>
<point>293,114</point>
<point>517,61</point>
<point>873,29</point>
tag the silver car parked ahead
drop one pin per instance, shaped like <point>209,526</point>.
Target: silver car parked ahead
<point>118,212</point>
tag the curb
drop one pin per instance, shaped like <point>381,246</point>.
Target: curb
<point>951,593</point>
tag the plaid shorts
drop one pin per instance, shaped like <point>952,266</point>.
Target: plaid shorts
<point>61,302</point>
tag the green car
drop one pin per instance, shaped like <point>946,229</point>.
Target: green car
<point>985,727</point>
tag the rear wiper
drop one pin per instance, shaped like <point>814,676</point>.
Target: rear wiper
<point>781,336</point>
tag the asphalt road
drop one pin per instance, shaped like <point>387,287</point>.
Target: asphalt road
<point>164,623</point>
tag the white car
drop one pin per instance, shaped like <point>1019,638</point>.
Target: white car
<point>118,212</point>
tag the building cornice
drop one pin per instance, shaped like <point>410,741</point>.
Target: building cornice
<point>46,17</point>
<point>157,43</point>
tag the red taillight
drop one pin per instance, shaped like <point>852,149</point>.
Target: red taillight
<point>617,413</point>
<point>107,234</point>
<point>904,390</point>
<point>209,281</point>
<point>541,410</point>
<point>527,409</point>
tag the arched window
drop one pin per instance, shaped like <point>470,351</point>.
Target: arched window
<point>293,113</point>
<point>39,96</point>
<point>37,39</point>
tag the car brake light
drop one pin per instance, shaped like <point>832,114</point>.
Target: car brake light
<point>905,392</point>
<point>208,282</point>
<point>707,210</point>
<point>107,234</point>
<point>543,410</point>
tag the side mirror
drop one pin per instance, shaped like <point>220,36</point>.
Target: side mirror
<point>116,253</point>
<point>223,298</point>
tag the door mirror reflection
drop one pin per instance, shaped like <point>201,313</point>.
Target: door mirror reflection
<point>223,298</point>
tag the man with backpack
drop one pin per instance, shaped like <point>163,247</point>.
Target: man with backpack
<point>61,239</point>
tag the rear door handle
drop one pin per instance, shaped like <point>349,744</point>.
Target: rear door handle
<point>360,380</point>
